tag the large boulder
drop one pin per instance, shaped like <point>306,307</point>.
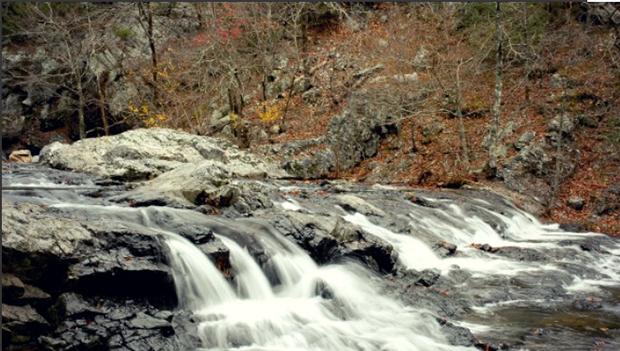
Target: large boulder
<point>146,153</point>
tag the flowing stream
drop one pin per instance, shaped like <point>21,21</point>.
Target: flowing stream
<point>286,301</point>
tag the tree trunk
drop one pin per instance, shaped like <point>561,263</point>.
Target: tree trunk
<point>264,91</point>
<point>556,177</point>
<point>459,113</point>
<point>494,130</point>
<point>100,91</point>
<point>414,147</point>
<point>528,58</point>
<point>147,14</point>
<point>81,107</point>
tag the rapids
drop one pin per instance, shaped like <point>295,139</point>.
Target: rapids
<point>279,297</point>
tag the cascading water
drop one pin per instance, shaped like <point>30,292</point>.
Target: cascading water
<point>286,301</point>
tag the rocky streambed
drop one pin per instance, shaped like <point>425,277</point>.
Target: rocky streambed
<point>161,240</point>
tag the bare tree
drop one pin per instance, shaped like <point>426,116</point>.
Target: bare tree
<point>497,102</point>
<point>73,51</point>
<point>145,19</point>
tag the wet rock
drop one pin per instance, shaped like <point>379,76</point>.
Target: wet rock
<point>346,232</point>
<point>252,196</point>
<point>222,197</point>
<point>485,248</point>
<point>329,239</point>
<point>517,253</point>
<point>127,264</point>
<point>75,306</point>
<point>144,321</point>
<point>21,324</point>
<point>244,197</point>
<point>219,255</point>
<point>457,335</point>
<point>20,156</point>
<point>588,303</point>
<point>355,204</point>
<point>12,287</point>
<point>118,273</point>
<point>576,203</point>
<point>592,245</point>
<point>32,238</point>
<point>445,248</point>
<point>108,325</point>
<point>427,277</point>
<point>196,234</point>
<point>421,201</point>
<point>573,227</point>
<point>375,253</point>
<point>311,232</point>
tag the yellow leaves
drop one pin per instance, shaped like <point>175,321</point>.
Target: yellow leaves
<point>143,114</point>
<point>132,108</point>
<point>234,119</point>
<point>270,113</point>
<point>155,120</point>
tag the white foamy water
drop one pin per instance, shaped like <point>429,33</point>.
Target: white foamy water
<point>199,282</point>
<point>416,254</point>
<point>288,302</point>
<point>336,307</point>
<point>290,205</point>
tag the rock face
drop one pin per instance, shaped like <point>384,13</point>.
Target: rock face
<point>352,137</point>
<point>532,170</point>
<point>146,153</point>
<point>60,275</point>
<point>48,104</point>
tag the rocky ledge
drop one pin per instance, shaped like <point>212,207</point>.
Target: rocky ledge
<point>146,153</point>
<point>75,286</point>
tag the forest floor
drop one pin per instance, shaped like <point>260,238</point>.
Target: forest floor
<point>582,60</point>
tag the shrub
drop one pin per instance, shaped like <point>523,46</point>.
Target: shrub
<point>270,113</point>
<point>123,33</point>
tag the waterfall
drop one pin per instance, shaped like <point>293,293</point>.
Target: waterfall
<point>278,298</point>
<point>199,282</point>
<point>251,282</point>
